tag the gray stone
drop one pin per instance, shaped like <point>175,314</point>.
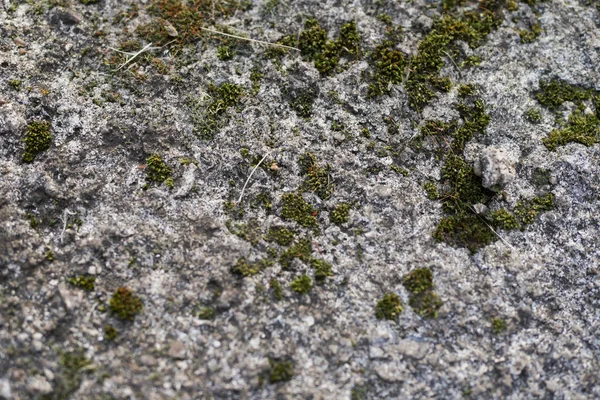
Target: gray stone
<point>496,167</point>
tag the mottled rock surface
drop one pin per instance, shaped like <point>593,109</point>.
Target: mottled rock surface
<point>184,214</point>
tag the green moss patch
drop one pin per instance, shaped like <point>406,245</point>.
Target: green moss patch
<point>295,208</point>
<point>388,307</point>
<point>84,282</point>
<point>124,304</point>
<point>37,139</point>
<point>209,119</point>
<point>300,250</point>
<point>423,300</point>
<point>317,178</point>
<point>581,128</point>
<point>280,371</point>
<point>322,270</point>
<point>157,172</point>
<point>340,213</point>
<point>302,284</point>
<point>326,54</point>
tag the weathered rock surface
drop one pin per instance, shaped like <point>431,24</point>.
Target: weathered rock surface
<point>214,217</point>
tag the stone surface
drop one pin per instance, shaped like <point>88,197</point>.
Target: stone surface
<point>219,318</point>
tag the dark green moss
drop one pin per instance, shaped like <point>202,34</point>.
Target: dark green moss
<point>245,268</point>
<point>526,211</point>
<point>312,39</point>
<point>388,307</point>
<point>124,304</point>
<point>466,90</point>
<point>280,235</point>
<point>110,333</point>
<point>581,128</point>
<point>157,172</point>
<point>295,208</point>
<point>426,304</point>
<point>317,178</point>
<point>280,371</point>
<point>300,250</point>
<point>313,44</point>
<point>528,36</point>
<point>14,84</point>
<point>226,52</point>
<point>206,313</point>
<point>208,122</point>
<point>84,282</point>
<point>431,190</point>
<point>322,270</point>
<point>340,213</point>
<point>302,284</point>
<point>498,325</point>
<point>504,220</point>
<point>464,230</point>
<point>349,39</point>
<point>533,115</point>
<point>302,104</point>
<point>37,139</point>
<point>276,288</point>
<point>49,255</point>
<point>554,92</point>
<point>419,280</point>
<point>465,188</point>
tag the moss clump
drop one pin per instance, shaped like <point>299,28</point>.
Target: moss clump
<point>314,45</point>
<point>280,235</point>
<point>498,325</point>
<point>302,284</point>
<point>554,92</point>
<point>276,288</point>
<point>207,122</point>
<point>300,250</point>
<point>15,84</point>
<point>322,270</point>
<point>388,307</point>
<point>206,313</point>
<point>533,115</point>
<point>528,36</point>
<point>245,268</point>
<point>526,211</point>
<point>464,230</point>
<point>157,172</point>
<point>465,187</point>
<point>504,220</point>
<point>317,178</point>
<point>426,304</point>
<point>581,128</point>
<point>431,191</point>
<point>466,90</point>
<point>295,208</point>
<point>37,139</point>
<point>110,333</point>
<point>302,103</point>
<point>124,304</point>
<point>280,371</point>
<point>312,39</point>
<point>84,282</point>
<point>420,73</point>
<point>340,213</point>
<point>419,280</point>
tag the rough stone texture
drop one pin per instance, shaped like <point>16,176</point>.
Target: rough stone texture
<point>495,167</point>
<point>84,200</point>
